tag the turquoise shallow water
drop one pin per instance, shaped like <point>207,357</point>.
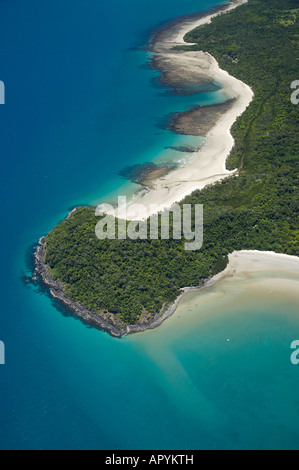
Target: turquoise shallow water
<point>78,91</point>
<point>241,393</point>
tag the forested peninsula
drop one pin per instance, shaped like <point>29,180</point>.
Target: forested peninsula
<point>132,282</point>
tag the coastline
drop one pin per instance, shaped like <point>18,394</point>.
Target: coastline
<point>240,263</point>
<point>208,164</point>
<point>104,322</point>
<point>177,184</point>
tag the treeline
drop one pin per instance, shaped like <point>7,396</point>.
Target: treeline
<point>257,43</point>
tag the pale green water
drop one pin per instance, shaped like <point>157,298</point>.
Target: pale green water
<point>67,386</point>
<point>237,394</point>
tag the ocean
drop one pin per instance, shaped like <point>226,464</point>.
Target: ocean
<point>82,104</point>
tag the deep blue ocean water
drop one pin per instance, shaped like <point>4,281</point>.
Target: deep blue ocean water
<point>81,104</point>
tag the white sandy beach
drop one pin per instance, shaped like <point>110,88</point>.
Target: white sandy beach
<point>209,164</point>
<point>254,272</point>
<point>246,262</point>
<point>189,25</point>
<point>208,167</point>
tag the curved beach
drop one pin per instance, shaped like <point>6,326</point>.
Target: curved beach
<point>208,167</point>
<point>248,261</point>
<point>209,164</point>
<point>250,276</point>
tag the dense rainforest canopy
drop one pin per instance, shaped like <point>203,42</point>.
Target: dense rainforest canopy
<point>258,209</point>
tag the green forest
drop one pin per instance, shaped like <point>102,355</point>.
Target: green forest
<point>257,43</point>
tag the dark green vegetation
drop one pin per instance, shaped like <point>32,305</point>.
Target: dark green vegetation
<point>257,43</point>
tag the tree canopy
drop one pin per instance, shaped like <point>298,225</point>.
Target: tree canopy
<point>257,43</point>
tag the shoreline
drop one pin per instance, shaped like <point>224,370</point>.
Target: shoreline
<point>179,183</point>
<point>239,262</point>
<point>208,164</point>
<point>104,322</point>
